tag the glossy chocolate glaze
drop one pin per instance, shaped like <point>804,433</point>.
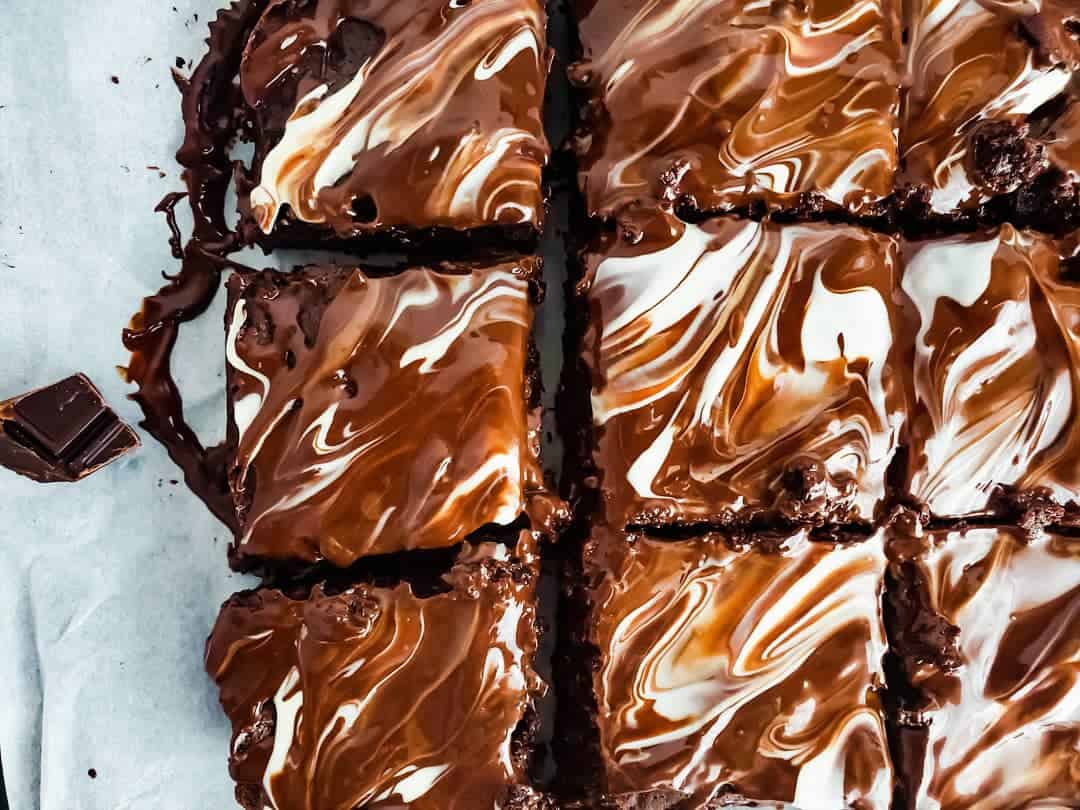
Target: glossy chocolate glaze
<point>995,353</point>
<point>720,103</point>
<point>376,414</point>
<point>377,114</point>
<point>993,714</point>
<point>746,370</point>
<point>747,670</point>
<point>741,367</point>
<point>948,110</point>
<point>376,697</point>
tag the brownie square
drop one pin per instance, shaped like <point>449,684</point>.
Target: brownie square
<point>983,623</point>
<point>381,697</point>
<point>375,414</point>
<point>395,119</point>
<point>995,342</point>
<point>720,104</point>
<point>741,368</point>
<point>748,670</point>
<point>988,114</point>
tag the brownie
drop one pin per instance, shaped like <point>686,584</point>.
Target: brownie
<point>991,113</point>
<point>379,696</point>
<point>392,119</point>
<point>372,414</point>
<point>941,112</point>
<point>983,624</point>
<point>738,670</point>
<point>745,372</point>
<point>720,104</point>
<point>742,368</point>
<point>994,344</point>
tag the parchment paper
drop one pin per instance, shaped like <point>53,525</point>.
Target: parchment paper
<point>109,587</point>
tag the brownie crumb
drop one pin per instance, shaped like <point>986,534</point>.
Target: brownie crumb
<point>1004,158</point>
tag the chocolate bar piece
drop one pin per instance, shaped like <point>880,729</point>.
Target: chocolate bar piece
<point>63,432</point>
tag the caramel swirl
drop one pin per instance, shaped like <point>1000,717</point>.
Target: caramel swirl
<point>376,414</point>
<point>1003,726</point>
<point>388,113</point>
<point>377,698</point>
<point>742,669</point>
<point>742,365</point>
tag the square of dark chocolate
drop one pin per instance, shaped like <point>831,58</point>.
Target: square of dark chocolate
<point>395,118</point>
<point>984,624</point>
<point>62,432</point>
<point>374,414</point>
<point>378,696</point>
<point>750,670</point>
<point>990,112</point>
<point>719,104</point>
<point>741,368</point>
<point>994,338</point>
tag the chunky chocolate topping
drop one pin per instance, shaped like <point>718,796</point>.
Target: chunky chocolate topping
<point>1000,714</point>
<point>375,414</point>
<point>376,114</point>
<point>740,670</point>
<point>740,366</point>
<point>375,697</point>
<point>63,432</point>
<point>996,370</point>
<point>719,103</point>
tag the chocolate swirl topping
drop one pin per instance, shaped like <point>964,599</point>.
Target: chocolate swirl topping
<point>718,103</point>
<point>947,109</point>
<point>742,366</point>
<point>1000,717</point>
<point>995,380</point>
<point>746,670</point>
<point>744,370</point>
<point>375,414</point>
<point>375,697</point>
<point>375,114</point>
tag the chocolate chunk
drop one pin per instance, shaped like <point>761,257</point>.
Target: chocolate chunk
<point>63,432</point>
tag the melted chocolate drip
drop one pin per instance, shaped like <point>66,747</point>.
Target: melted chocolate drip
<point>212,118</point>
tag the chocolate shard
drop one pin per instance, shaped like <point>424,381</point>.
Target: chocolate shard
<point>63,432</point>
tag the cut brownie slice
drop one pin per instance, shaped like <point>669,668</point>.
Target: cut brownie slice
<point>378,697</point>
<point>996,351</point>
<point>375,414</point>
<point>718,104</point>
<point>984,623</point>
<point>394,117</point>
<point>989,112</point>
<point>747,671</point>
<point>742,367</point>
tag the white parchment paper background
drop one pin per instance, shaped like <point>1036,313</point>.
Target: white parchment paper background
<point>107,587</point>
